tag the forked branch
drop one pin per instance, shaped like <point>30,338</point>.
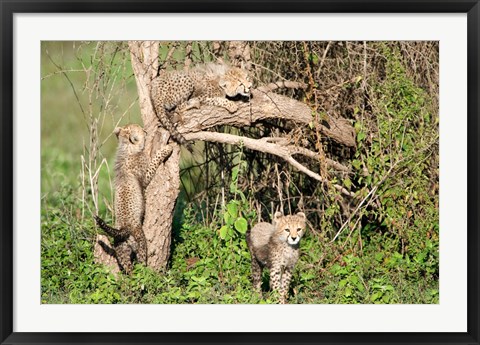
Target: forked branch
<point>263,145</point>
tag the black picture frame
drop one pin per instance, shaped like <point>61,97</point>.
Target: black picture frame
<point>10,7</point>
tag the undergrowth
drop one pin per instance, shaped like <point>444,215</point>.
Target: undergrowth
<point>206,268</point>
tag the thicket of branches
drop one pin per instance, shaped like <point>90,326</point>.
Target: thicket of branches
<point>384,93</point>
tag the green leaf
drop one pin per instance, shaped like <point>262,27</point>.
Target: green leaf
<point>356,164</point>
<point>347,183</point>
<point>360,287</point>
<point>241,225</point>
<point>233,187</point>
<point>228,218</point>
<point>232,209</point>
<point>235,172</point>
<point>375,296</point>
<point>223,231</point>
<point>307,276</point>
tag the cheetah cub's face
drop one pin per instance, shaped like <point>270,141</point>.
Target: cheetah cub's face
<point>236,81</point>
<point>290,229</point>
<point>131,137</point>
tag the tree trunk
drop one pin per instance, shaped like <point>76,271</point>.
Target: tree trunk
<point>162,193</point>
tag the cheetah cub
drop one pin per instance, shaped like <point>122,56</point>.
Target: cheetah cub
<point>276,246</point>
<point>210,84</point>
<point>134,170</point>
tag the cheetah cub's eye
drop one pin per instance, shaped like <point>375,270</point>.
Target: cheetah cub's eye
<point>134,139</point>
<point>299,229</point>
<point>287,229</point>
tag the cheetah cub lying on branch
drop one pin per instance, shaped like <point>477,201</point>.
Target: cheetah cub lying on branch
<point>210,84</point>
<point>134,171</point>
<point>276,246</point>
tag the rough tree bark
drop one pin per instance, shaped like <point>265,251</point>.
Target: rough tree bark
<point>263,106</point>
<point>162,193</point>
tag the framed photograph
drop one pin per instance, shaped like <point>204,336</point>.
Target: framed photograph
<point>235,172</point>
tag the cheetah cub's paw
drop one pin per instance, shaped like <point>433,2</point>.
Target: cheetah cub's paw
<point>231,107</point>
<point>192,103</point>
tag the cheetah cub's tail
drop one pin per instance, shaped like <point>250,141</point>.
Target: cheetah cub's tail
<point>176,136</point>
<point>180,139</point>
<point>115,233</point>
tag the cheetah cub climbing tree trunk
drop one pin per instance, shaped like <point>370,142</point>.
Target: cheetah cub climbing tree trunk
<point>276,246</point>
<point>134,171</point>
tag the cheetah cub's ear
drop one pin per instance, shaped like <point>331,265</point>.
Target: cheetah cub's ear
<point>276,217</point>
<point>116,131</point>
<point>301,214</point>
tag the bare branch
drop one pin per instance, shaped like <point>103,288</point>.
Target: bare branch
<point>314,155</point>
<point>264,106</point>
<point>262,146</point>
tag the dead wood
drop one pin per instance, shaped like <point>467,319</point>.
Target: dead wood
<point>264,106</point>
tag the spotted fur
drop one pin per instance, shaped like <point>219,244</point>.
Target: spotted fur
<point>208,84</point>
<point>134,170</point>
<point>276,246</point>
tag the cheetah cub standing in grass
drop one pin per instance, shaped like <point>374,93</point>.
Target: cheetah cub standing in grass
<point>276,246</point>
<point>210,84</point>
<point>134,170</point>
